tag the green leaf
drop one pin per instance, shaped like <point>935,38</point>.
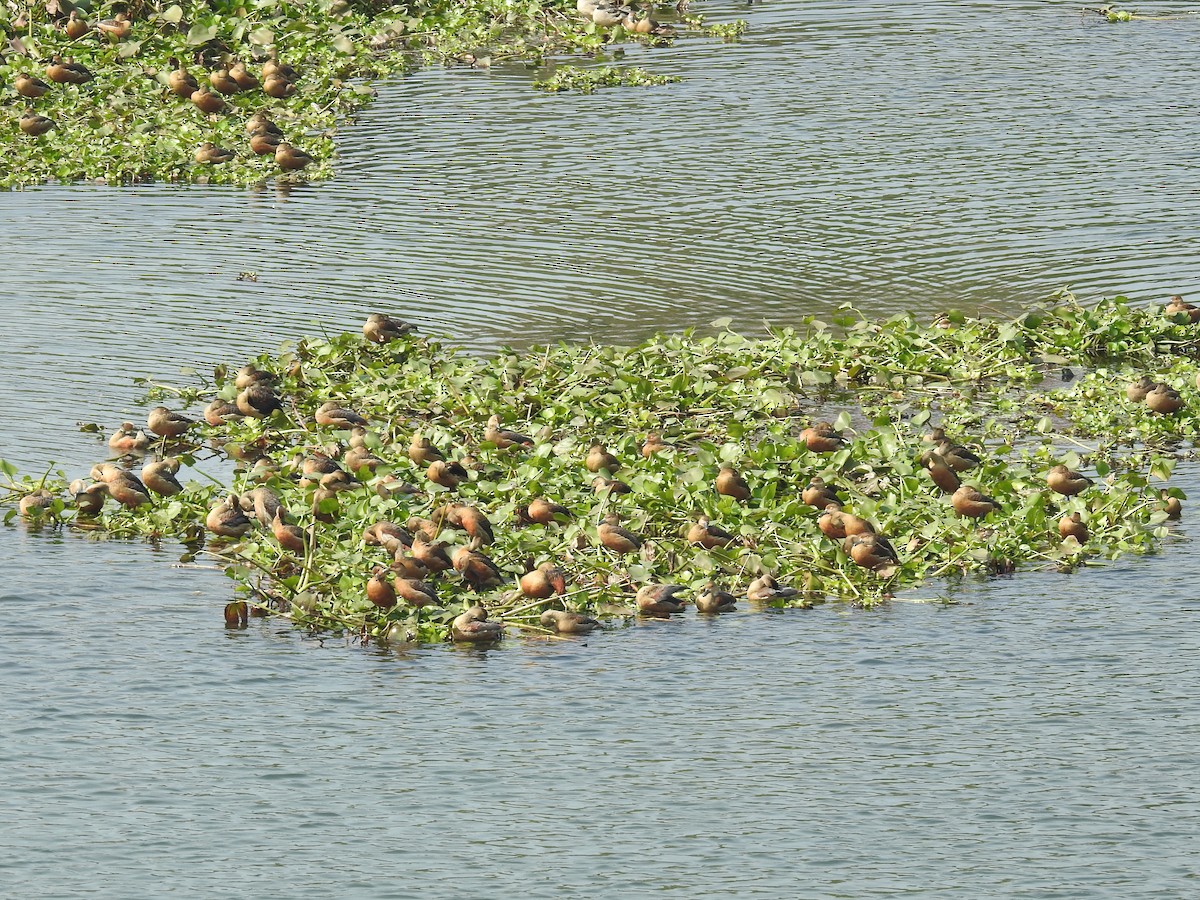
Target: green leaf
<point>201,33</point>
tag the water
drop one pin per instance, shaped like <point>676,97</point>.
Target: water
<point>1036,740</point>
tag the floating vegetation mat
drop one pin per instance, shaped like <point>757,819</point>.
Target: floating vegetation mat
<point>385,485</point>
<point>236,91</point>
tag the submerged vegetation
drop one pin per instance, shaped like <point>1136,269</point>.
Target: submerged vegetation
<point>387,485</point>
<point>208,90</point>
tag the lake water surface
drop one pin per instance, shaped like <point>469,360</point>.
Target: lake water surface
<point>1034,740</point>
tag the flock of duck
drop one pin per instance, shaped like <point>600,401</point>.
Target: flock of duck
<point>276,79</point>
<point>419,556</point>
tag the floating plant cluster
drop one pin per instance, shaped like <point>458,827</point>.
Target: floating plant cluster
<point>385,485</point>
<point>134,91</point>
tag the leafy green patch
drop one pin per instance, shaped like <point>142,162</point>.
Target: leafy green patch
<point>125,124</point>
<point>586,81</point>
<point>1008,391</point>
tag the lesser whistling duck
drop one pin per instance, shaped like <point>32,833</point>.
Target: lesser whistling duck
<point>660,599</point>
<point>731,484</point>
<point>473,627</point>
<point>566,622</point>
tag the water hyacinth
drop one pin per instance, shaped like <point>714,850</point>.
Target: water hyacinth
<point>965,445</point>
<point>236,92</point>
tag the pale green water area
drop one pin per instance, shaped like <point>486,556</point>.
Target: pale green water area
<point>1035,740</point>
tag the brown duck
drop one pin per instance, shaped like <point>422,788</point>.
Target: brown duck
<point>660,599</point>
<point>1138,390</point>
<point>34,504</point>
<point>871,551</point>
<point>407,566</point>
<point>206,101</point>
<point>159,476</point>
<point>381,328</point>
<point>502,437</point>
<point>731,484</point>
<point>416,593</point>
<point>615,537</point>
<point>709,536</point>
<point>446,474</point>
<point>222,82</point>
<point>473,627</point>
<point>118,28</point>
<point>258,401</point>
<point>380,590</point>
<point>541,511</point>
<point>264,144</point>
<point>260,123</point>
<point>263,502</point>
<point>1164,399</point>
<point>1064,481</point>
<point>250,375</point>
<point>943,475</point>
<point>90,500</point>
<point>422,452</point>
<point>166,423</point>
<point>290,537</point>
<point>67,71</point>
<point>565,622</point>
<point>599,458</point>
<point>655,444</point>
<point>226,519</point>
<point>77,26</point>
<point>957,457</point>
<point>273,66</point>
<point>712,600</point>
<point>180,81</point>
<point>821,437</point>
<point>968,501</point>
<point>765,588</point>
<point>332,415</point>
<point>209,153</point>
<point>1172,506</point>
<point>291,159</point>
<point>29,86</point>
<point>128,439</point>
<point>275,85</point>
<point>242,76</point>
<point>388,535</point>
<point>475,523</point>
<point>1176,307</point>
<point>818,494</point>
<point>544,581</point>
<point>433,554</point>
<point>33,124</point>
<point>477,569</point>
<point>602,485</point>
<point>1073,526</point>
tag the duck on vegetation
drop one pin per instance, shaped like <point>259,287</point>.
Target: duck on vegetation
<point>291,159</point>
<point>380,328</point>
<point>1067,482</point>
<point>33,124</point>
<point>226,519</point>
<point>502,437</point>
<point>29,86</point>
<point>730,484</point>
